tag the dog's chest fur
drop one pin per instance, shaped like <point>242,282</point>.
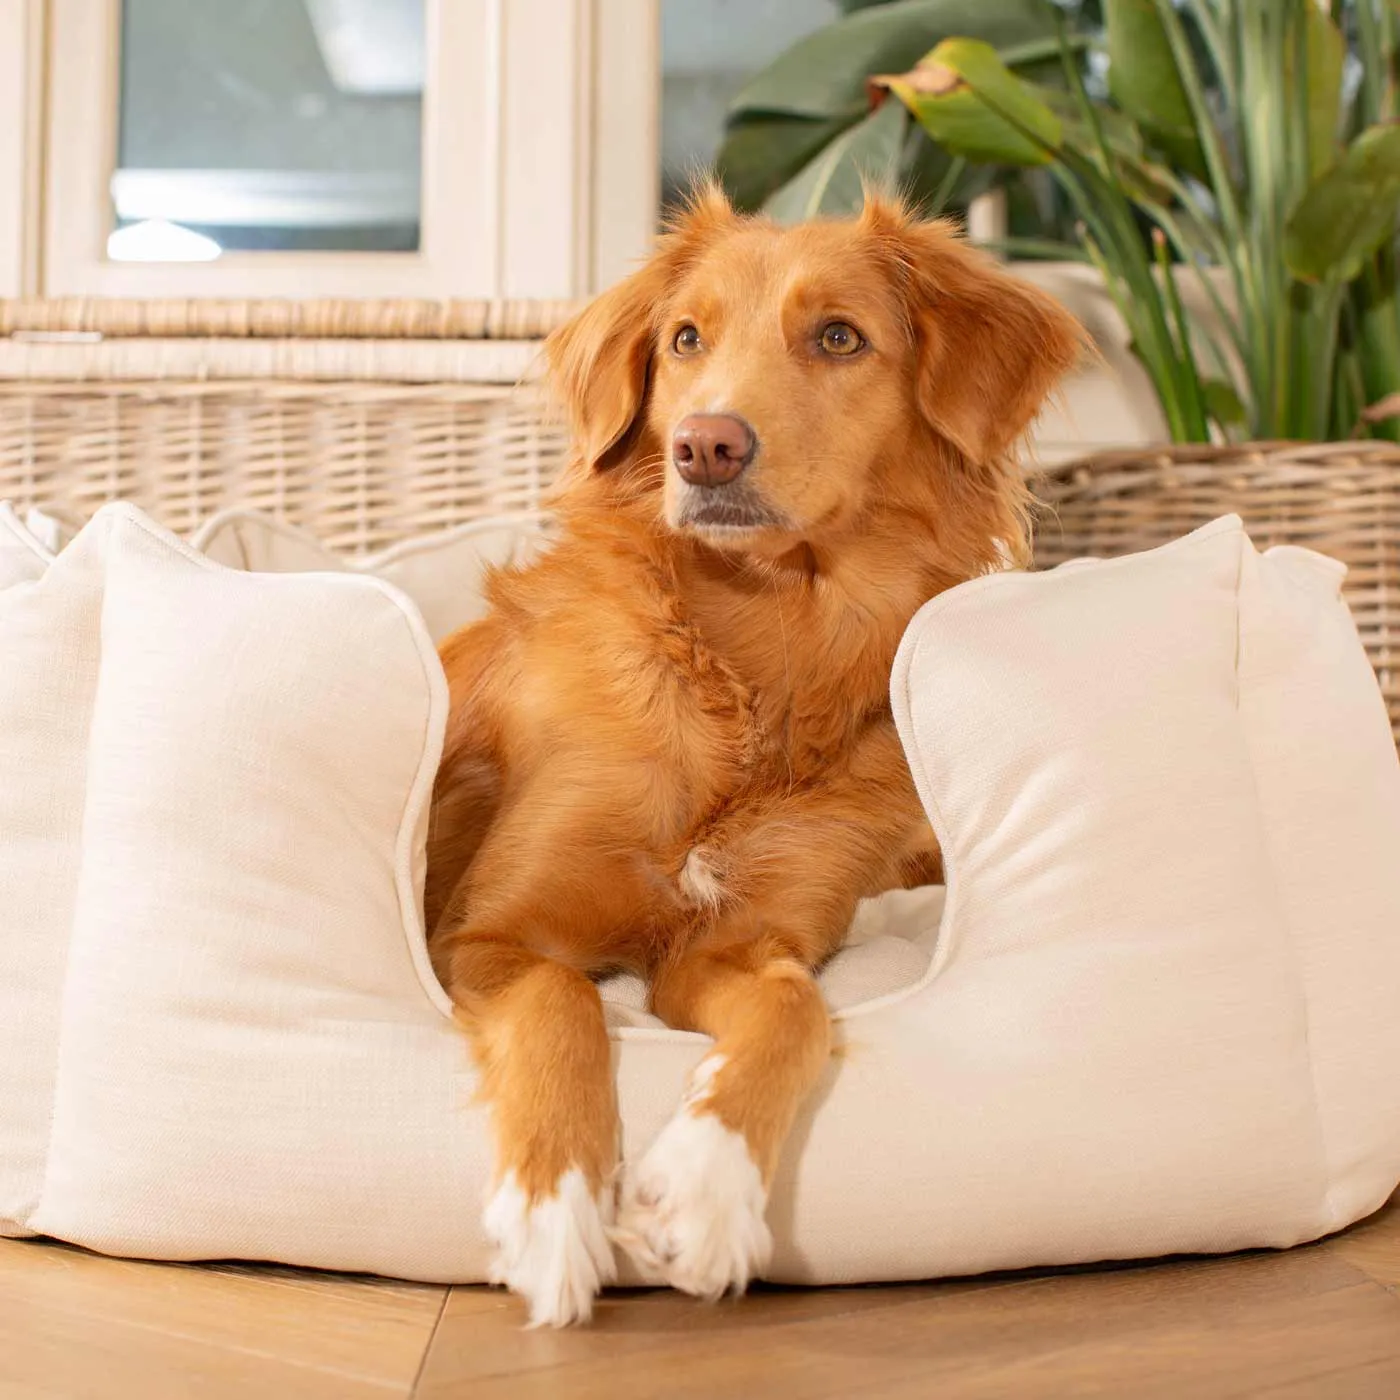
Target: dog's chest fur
<point>697,695</point>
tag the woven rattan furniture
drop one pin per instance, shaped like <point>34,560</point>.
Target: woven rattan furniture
<point>364,422</point>
<point>369,422</point>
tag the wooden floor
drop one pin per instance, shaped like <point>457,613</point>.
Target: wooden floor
<point>1318,1321</point>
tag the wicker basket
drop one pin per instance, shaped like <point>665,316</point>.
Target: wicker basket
<point>364,422</point>
<point>368,422</point>
<point>1342,499</point>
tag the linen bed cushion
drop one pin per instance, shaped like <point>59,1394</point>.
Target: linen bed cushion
<point>129,599</point>
<point>1159,1014</point>
<point>442,572</point>
<point>22,556</point>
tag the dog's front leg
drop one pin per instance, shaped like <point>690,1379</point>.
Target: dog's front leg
<point>537,1030</point>
<point>775,888</point>
<point>692,1211</point>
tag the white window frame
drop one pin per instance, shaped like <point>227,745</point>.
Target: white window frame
<point>537,167</point>
<point>21,131</point>
<point>625,142</point>
<point>84,67</point>
<point>540,160</point>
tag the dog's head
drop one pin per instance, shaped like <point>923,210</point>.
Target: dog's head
<point>777,385</point>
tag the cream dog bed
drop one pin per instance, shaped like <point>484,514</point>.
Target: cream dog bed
<point>1158,1013</point>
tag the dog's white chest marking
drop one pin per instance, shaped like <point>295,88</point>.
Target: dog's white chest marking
<point>699,882</point>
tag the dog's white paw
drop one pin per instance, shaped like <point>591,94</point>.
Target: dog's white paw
<point>554,1253</point>
<point>691,1214</point>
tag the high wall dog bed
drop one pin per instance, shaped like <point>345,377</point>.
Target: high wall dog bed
<point>1160,1011</point>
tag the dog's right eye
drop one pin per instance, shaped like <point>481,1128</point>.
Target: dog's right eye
<point>687,341</point>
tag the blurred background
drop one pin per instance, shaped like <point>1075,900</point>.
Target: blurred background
<point>520,147</point>
<point>1211,185</point>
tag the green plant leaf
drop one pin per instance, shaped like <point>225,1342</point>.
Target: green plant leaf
<point>937,182</point>
<point>1345,216</point>
<point>1322,84</point>
<point>831,184</point>
<point>762,153</point>
<point>1374,325</point>
<point>824,74</point>
<point>1144,80</point>
<point>1223,404</point>
<point>1119,131</point>
<point>971,104</point>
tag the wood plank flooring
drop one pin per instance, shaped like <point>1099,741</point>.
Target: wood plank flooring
<point>1321,1321</point>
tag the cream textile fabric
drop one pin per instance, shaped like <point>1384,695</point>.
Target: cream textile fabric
<point>1160,1014</point>
<point>443,573</point>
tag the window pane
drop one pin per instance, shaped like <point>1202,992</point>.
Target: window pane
<point>268,124</point>
<point>709,50</point>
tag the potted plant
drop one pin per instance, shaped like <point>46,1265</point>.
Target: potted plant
<point>1251,148</point>
<point>802,132</point>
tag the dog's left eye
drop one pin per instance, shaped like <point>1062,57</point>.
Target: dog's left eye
<point>687,341</point>
<point>838,338</point>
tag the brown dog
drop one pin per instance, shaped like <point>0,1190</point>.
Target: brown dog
<point>670,746</point>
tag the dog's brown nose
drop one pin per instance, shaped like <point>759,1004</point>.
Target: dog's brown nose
<point>710,449</point>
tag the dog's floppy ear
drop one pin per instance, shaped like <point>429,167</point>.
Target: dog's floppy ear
<point>991,346</point>
<point>600,361</point>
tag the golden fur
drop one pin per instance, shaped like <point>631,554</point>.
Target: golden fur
<point>670,746</point>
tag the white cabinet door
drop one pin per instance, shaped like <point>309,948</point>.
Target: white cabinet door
<point>337,148</point>
<point>21,87</point>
